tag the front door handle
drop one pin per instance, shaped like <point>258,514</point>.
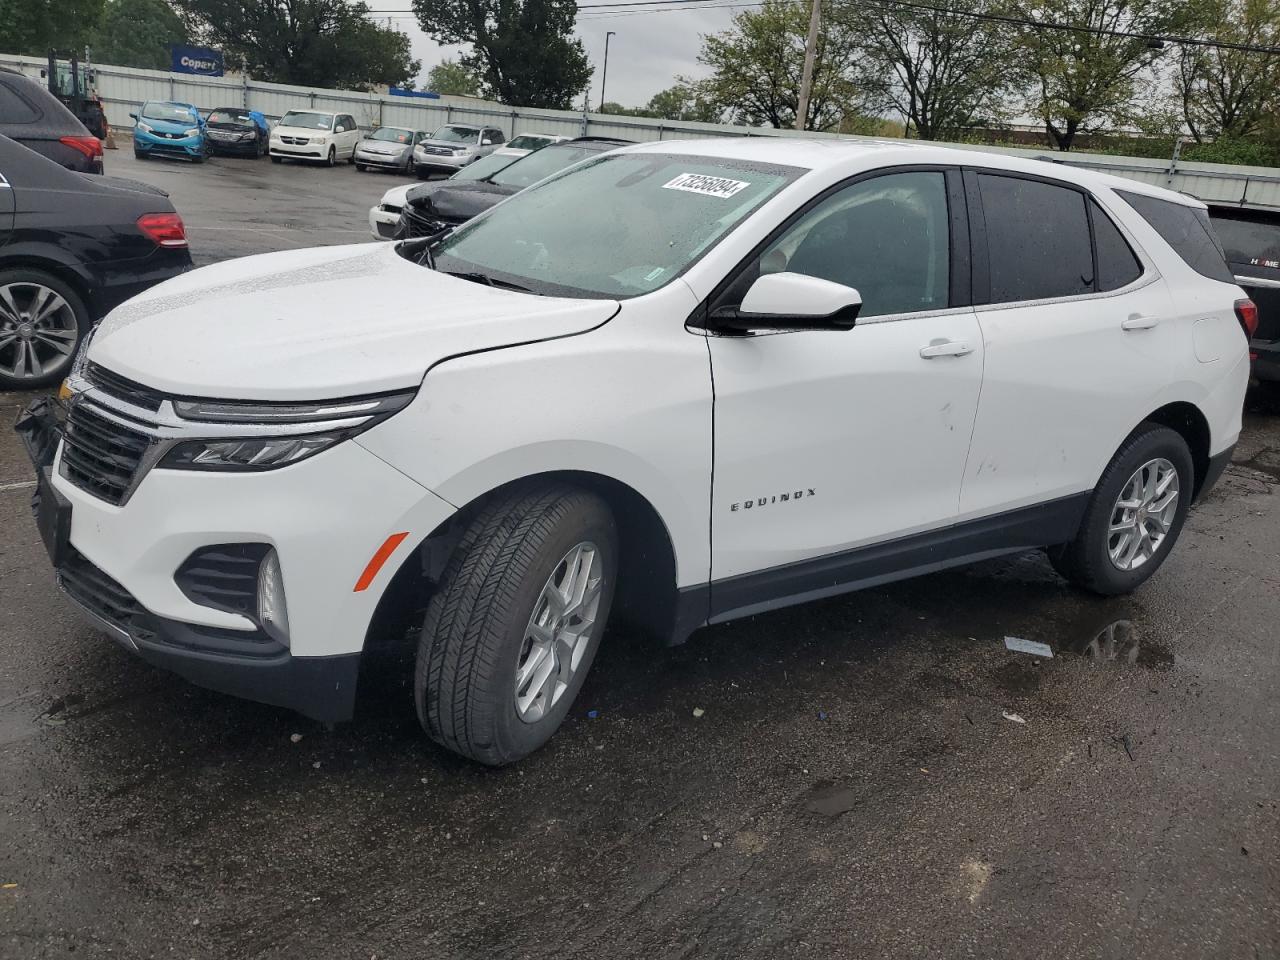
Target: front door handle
<point>1139,323</point>
<point>946,348</point>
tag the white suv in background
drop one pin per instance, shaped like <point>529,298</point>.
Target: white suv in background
<point>740,374</point>
<point>314,135</point>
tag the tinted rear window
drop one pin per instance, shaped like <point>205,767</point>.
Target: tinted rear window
<point>1118,266</point>
<point>1248,241</point>
<point>1037,239</point>
<point>1187,230</point>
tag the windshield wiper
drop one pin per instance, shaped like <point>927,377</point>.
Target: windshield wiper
<point>419,248</point>
<point>478,277</point>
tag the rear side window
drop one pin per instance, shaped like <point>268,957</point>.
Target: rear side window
<point>1037,239</point>
<point>1187,230</point>
<point>1118,266</point>
<point>1247,241</point>
<point>14,108</point>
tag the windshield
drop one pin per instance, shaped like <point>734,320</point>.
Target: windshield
<point>167,111</point>
<point>457,135</point>
<point>528,141</point>
<point>392,134</point>
<point>616,226</point>
<point>230,116</point>
<point>532,167</point>
<point>307,120</point>
<point>484,167</point>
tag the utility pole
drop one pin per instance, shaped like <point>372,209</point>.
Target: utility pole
<point>806,78</point>
<point>604,74</point>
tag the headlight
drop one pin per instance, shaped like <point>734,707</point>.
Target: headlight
<point>191,132</point>
<point>460,153</point>
<point>265,436</point>
<point>247,136</point>
<point>144,127</point>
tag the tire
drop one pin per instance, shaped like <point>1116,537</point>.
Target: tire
<point>475,637</point>
<point>332,160</point>
<point>63,327</point>
<point>138,154</point>
<point>277,159</point>
<point>1087,561</point>
<point>361,168</point>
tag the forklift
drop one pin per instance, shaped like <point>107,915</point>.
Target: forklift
<point>73,85</point>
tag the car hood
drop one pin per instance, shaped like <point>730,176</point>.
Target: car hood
<point>447,144</point>
<point>319,324</point>
<point>456,202</point>
<point>170,126</point>
<point>398,196</point>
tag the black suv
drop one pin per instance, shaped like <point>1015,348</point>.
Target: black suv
<point>35,118</point>
<point>1251,241</point>
<point>431,207</point>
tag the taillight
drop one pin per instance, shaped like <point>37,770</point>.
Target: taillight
<point>165,229</point>
<point>91,147</point>
<point>1247,314</point>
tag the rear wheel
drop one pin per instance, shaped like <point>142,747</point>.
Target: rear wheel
<point>515,622</point>
<point>1134,515</point>
<point>41,322</point>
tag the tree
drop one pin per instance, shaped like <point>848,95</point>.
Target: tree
<point>1086,81</point>
<point>451,78</point>
<point>942,71</point>
<point>1229,93</point>
<point>313,43</point>
<point>757,65</point>
<point>137,33</point>
<point>32,27</point>
<point>522,50</point>
<point>683,101</point>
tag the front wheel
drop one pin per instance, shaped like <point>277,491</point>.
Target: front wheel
<point>333,157</point>
<point>515,622</point>
<point>1134,516</point>
<point>361,168</point>
<point>277,159</point>
<point>41,322</point>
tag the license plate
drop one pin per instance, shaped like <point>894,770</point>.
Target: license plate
<point>53,517</point>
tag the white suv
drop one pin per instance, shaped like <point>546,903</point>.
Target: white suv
<point>679,383</point>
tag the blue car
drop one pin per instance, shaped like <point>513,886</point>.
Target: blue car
<point>170,129</point>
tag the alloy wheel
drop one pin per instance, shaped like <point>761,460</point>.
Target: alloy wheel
<point>560,631</point>
<point>38,330</point>
<point>1143,514</point>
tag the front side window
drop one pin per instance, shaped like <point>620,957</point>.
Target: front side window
<point>618,225</point>
<point>457,135</point>
<point>886,237</point>
<point>1037,239</point>
<point>1185,228</point>
<point>307,120</point>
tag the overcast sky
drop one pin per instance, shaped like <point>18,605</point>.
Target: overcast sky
<point>648,51</point>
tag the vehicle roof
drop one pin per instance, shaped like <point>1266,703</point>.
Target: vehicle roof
<point>172,103</point>
<point>815,154</point>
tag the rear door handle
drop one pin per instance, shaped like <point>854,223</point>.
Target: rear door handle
<point>946,348</point>
<point>1139,323</point>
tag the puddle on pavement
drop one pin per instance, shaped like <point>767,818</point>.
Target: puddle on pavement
<point>1120,642</point>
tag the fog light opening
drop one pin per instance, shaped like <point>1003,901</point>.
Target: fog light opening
<point>273,613</point>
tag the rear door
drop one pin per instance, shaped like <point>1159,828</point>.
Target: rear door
<point>1079,340</point>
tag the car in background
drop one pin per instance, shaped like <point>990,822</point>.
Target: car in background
<point>525,143</point>
<point>384,219</point>
<point>315,135</point>
<point>237,132</point>
<point>35,118</point>
<point>453,146</point>
<point>388,148</point>
<point>72,248</point>
<point>1251,243</point>
<point>430,207</point>
<point>169,128</point>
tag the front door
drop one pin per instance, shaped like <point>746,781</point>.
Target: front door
<point>827,441</point>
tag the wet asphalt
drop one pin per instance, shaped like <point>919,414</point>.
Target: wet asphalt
<point>858,783</point>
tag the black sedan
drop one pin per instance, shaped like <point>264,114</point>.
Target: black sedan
<point>238,132</point>
<point>72,247</point>
<point>431,207</point>
<point>34,117</point>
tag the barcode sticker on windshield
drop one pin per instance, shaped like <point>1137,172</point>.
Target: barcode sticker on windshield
<point>707,186</point>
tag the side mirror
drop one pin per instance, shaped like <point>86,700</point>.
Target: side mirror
<point>133,116</point>
<point>792,301</point>
<point>339,129</point>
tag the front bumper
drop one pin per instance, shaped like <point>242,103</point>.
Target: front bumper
<point>325,517</point>
<point>431,161</point>
<point>183,147</point>
<point>300,151</point>
<point>238,147</point>
<point>383,161</point>
<point>383,223</point>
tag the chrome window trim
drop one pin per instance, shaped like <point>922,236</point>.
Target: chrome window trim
<point>1147,278</point>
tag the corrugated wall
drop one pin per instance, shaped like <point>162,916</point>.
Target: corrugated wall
<point>123,90</point>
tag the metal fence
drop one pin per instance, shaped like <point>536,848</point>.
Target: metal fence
<point>124,89</point>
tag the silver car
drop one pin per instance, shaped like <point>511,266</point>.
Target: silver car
<point>454,146</point>
<point>388,148</point>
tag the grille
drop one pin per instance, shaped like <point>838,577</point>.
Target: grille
<point>93,589</point>
<point>438,151</point>
<point>122,388</point>
<point>414,224</point>
<point>296,141</point>
<point>100,456</point>
<point>224,577</point>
